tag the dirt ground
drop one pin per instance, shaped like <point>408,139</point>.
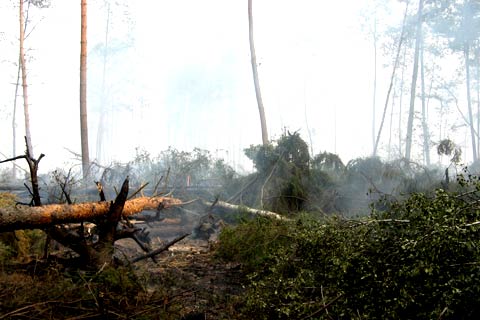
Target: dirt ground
<point>203,286</point>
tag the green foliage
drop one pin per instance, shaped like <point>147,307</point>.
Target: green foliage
<point>417,260</point>
<point>328,162</point>
<point>252,240</point>
<point>284,171</point>
<point>59,293</point>
<point>448,147</point>
<point>22,244</point>
<point>6,252</point>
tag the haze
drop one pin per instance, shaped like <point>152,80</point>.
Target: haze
<point>178,73</point>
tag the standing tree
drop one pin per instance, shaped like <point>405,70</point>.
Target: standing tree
<point>408,145</point>
<point>392,80</point>
<point>258,94</point>
<point>24,81</point>
<point>426,134</point>
<point>21,71</point>
<point>459,23</point>
<point>470,32</point>
<point>83,90</point>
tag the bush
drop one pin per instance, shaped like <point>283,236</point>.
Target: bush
<point>417,260</point>
<point>252,241</point>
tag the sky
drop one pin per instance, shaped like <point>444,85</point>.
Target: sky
<point>178,74</point>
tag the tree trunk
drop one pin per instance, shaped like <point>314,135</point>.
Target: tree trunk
<point>411,112</point>
<point>400,103</point>
<point>392,78</point>
<point>100,154</point>
<point>83,90</point>
<point>14,120</point>
<point>256,82</point>
<point>426,134</point>
<point>477,62</point>
<point>25,217</point>
<point>233,207</point>
<point>466,52</point>
<point>374,104</point>
<point>24,82</point>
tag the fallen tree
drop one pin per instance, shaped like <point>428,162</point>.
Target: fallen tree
<point>233,207</point>
<point>26,217</point>
<point>110,220</point>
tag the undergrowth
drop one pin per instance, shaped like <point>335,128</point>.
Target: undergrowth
<point>112,293</point>
<point>419,259</point>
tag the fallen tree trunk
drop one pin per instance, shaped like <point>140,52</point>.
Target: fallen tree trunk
<point>259,212</point>
<point>25,217</point>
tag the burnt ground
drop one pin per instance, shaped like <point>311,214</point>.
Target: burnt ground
<point>199,285</point>
<point>196,283</point>
<point>186,282</point>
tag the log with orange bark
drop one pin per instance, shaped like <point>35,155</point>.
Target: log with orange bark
<point>25,217</point>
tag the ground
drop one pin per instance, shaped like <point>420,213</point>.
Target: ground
<point>206,287</point>
<point>186,282</point>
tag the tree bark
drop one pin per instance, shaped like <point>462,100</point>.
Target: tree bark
<point>256,82</point>
<point>408,143</point>
<point>83,91</point>
<point>24,217</point>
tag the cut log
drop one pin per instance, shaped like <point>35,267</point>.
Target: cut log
<point>24,217</point>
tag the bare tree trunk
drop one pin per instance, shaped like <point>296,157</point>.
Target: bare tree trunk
<point>374,104</point>
<point>466,52</point>
<point>400,103</point>
<point>256,82</point>
<point>14,120</point>
<point>426,134</point>
<point>83,90</point>
<point>408,146</point>
<point>392,79</point>
<point>477,60</point>
<point>101,125</point>
<point>391,122</point>
<point>38,217</point>
<point>24,82</point>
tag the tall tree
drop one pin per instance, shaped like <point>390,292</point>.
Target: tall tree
<point>103,100</point>
<point>459,23</point>
<point>408,143</point>
<point>256,82</point>
<point>83,90</point>
<point>392,79</point>
<point>466,52</point>
<point>24,80</point>
<point>426,134</point>
<point>467,43</point>
<point>374,100</point>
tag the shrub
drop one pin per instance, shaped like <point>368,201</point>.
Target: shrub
<point>416,260</point>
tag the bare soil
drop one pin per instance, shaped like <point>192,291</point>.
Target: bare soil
<point>201,285</point>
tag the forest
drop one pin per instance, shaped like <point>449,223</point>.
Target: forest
<point>243,168</point>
